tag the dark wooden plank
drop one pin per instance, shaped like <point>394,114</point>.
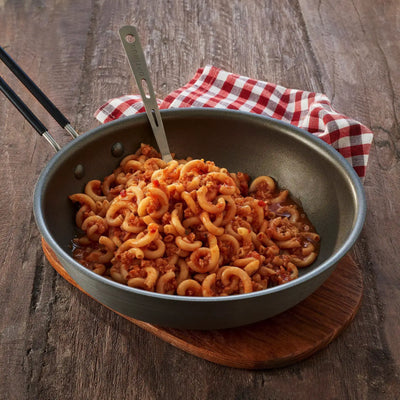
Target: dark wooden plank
<point>47,42</point>
<point>358,57</point>
<point>55,342</point>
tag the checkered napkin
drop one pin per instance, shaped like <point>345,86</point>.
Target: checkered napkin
<point>213,87</point>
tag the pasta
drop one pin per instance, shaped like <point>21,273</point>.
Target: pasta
<point>190,228</point>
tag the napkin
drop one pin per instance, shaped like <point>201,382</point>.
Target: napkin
<point>216,88</point>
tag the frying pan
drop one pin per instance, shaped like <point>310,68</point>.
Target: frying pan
<point>317,176</point>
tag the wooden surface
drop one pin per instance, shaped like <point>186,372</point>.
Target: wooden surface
<point>282,340</point>
<point>55,342</point>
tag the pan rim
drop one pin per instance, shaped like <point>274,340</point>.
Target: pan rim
<point>295,132</point>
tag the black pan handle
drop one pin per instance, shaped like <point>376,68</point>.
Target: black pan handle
<point>35,90</point>
<point>27,113</point>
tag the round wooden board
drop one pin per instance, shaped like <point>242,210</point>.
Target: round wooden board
<point>279,341</point>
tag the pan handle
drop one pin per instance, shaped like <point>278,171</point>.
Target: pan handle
<point>27,113</point>
<point>35,90</point>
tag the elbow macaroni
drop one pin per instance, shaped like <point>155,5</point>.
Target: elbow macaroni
<point>190,228</point>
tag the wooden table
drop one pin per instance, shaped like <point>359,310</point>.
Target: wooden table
<point>56,343</point>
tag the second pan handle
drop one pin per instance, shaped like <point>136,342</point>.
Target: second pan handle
<point>27,113</point>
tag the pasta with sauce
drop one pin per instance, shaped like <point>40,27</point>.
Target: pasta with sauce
<point>190,228</point>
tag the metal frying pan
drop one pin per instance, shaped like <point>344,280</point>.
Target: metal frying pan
<point>318,176</point>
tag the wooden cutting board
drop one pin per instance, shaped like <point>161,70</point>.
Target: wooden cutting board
<point>279,341</point>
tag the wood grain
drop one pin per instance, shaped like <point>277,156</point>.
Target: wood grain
<point>283,340</point>
<point>57,343</point>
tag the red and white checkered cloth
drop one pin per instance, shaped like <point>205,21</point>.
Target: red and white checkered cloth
<point>213,87</point>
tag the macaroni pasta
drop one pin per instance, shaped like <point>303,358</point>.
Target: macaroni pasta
<point>190,228</point>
